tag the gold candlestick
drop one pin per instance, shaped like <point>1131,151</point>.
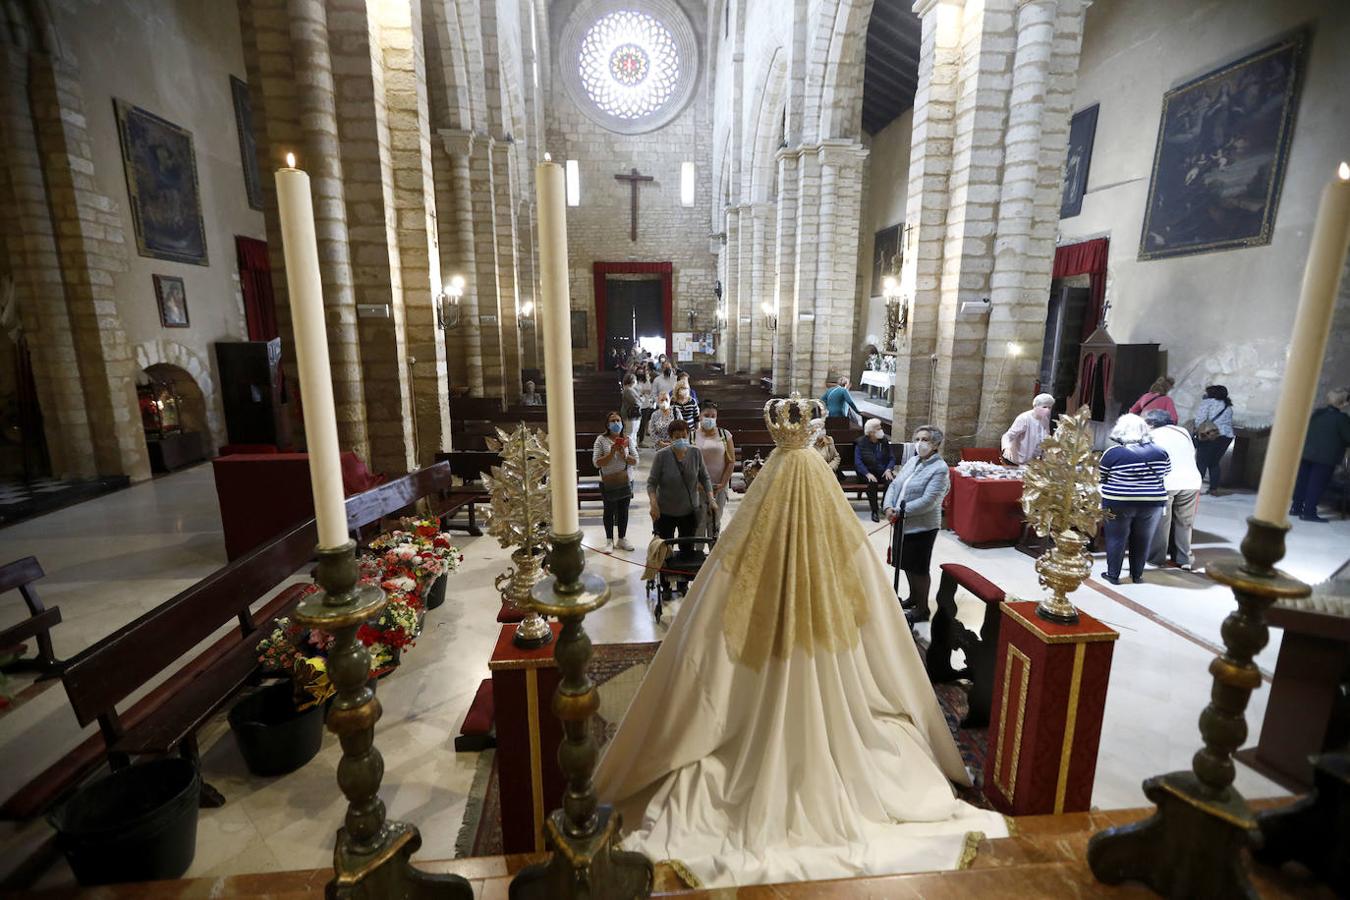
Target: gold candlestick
<point>1062,499</point>
<point>519,517</point>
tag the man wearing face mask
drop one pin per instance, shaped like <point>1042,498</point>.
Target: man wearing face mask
<point>675,486</point>
<point>914,506</point>
<point>1022,442</point>
<point>719,458</point>
<point>873,462</point>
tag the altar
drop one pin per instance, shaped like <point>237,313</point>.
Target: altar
<point>879,384</point>
<point>984,510</point>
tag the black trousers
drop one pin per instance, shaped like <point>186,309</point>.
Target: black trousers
<point>616,516</point>
<point>875,491</point>
<point>642,428</point>
<point>1208,456</point>
<point>687,525</point>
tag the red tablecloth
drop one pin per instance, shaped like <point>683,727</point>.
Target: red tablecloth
<point>985,510</point>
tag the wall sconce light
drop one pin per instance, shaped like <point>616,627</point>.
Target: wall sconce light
<point>897,311</point>
<point>526,317</point>
<point>770,316</point>
<point>447,307</point>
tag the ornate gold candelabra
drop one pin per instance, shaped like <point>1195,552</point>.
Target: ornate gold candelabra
<point>519,517</point>
<point>585,863</point>
<point>1062,500</point>
<point>1192,846</point>
<point>371,859</point>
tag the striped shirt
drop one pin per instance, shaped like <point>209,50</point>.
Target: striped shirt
<point>688,410</point>
<point>1133,473</point>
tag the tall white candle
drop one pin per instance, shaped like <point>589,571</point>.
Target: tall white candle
<point>1312,324</point>
<point>296,209</point>
<point>554,310</point>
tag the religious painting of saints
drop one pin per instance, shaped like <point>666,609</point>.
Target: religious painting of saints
<point>1082,129</point>
<point>172,299</point>
<point>161,170</point>
<point>886,255</point>
<point>1222,147</point>
<point>248,146</point>
<point>579,329</point>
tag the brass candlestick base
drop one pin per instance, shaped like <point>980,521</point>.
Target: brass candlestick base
<point>1063,570</point>
<point>371,859</point>
<point>515,585</point>
<point>585,863</point>
<point>1192,846</point>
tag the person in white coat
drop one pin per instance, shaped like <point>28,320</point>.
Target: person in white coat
<point>1183,491</point>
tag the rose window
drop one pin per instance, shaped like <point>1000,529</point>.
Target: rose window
<point>629,64</point>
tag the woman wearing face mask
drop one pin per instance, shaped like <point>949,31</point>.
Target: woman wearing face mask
<point>914,505</point>
<point>677,483</point>
<point>1133,494</point>
<point>1022,442</point>
<point>685,406</point>
<point>873,462</point>
<point>658,426</point>
<point>647,396</point>
<point>719,458</point>
<point>615,457</point>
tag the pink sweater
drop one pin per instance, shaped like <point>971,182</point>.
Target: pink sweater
<point>1155,401</point>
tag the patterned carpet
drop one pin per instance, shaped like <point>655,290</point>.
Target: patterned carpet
<point>618,670</point>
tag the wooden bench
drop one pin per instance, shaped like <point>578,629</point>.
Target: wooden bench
<point>20,575</point>
<point>102,677</point>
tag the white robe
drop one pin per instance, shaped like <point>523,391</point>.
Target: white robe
<point>819,765</point>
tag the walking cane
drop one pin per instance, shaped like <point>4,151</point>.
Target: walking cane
<point>897,544</point>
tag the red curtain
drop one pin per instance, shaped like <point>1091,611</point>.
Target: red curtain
<point>255,281</point>
<point>1086,258</point>
<point>601,269</point>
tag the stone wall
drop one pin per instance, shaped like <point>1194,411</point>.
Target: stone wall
<point>1221,316</point>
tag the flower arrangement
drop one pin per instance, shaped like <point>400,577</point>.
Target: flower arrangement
<point>417,550</point>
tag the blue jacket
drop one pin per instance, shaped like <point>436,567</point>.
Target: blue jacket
<point>838,401</point>
<point>879,453</point>
<point>921,484</point>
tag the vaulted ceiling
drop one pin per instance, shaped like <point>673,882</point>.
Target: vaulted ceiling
<point>893,38</point>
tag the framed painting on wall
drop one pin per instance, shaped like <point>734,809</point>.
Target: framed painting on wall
<point>172,299</point>
<point>161,171</point>
<point>886,256</point>
<point>1082,129</point>
<point>248,146</point>
<point>579,341</point>
<point>1223,143</point>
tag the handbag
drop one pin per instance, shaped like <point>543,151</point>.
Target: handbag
<point>1206,430</point>
<point>614,479</point>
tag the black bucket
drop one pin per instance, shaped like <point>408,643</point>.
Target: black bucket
<point>436,593</point>
<point>273,737</point>
<point>138,824</point>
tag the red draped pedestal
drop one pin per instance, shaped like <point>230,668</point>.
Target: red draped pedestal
<point>529,782</point>
<point>1049,694</point>
<point>985,510</point>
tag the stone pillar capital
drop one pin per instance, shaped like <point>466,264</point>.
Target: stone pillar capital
<point>841,152</point>
<point>791,154</point>
<point>923,7</point>
<point>460,141</point>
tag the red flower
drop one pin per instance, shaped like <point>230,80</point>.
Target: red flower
<point>427,530</point>
<point>369,634</point>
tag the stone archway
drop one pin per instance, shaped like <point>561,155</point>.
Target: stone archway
<point>168,359</point>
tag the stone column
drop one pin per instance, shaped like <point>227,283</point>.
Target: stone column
<point>503,186</point>
<point>799,319</point>
<point>737,327</point>
<point>785,267</point>
<point>487,283</point>
<point>458,257</point>
<point>762,222</point>
<point>321,157</point>
<point>841,165</point>
<point>1049,36</point>
<point>752,316</point>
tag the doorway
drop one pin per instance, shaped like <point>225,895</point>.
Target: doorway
<point>632,312</point>
<point>642,307</point>
<point>1070,299</point>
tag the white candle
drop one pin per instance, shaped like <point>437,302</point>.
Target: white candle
<point>1312,324</point>
<point>296,209</point>
<point>554,309</point>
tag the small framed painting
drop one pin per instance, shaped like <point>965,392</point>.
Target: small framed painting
<point>172,300</point>
<point>1082,129</point>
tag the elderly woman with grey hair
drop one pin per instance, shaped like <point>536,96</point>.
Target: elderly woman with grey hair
<point>1133,495</point>
<point>1022,441</point>
<point>913,504</point>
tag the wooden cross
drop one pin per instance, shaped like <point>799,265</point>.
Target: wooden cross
<point>633,179</point>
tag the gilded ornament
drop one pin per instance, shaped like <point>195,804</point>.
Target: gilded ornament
<point>519,516</point>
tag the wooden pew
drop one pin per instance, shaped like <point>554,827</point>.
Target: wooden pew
<point>20,575</point>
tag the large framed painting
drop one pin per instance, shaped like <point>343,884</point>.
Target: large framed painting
<point>886,255</point>
<point>1082,129</point>
<point>1222,147</point>
<point>579,326</point>
<point>161,170</point>
<point>248,147</point>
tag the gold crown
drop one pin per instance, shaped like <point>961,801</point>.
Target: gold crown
<point>789,421</point>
